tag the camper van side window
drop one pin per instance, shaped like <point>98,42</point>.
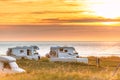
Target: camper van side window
<point>61,49</point>
<point>65,50</point>
<point>28,52</point>
<point>21,51</point>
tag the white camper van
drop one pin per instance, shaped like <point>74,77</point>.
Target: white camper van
<point>8,65</point>
<point>65,54</point>
<point>25,52</point>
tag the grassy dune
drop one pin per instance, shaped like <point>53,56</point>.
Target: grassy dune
<point>45,70</point>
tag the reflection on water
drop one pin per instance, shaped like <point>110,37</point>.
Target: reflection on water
<point>83,48</point>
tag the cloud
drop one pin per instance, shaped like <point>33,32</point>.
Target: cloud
<point>64,12</point>
<point>51,11</point>
<point>22,0</point>
<point>81,20</point>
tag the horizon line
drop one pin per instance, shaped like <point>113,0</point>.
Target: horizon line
<point>59,41</point>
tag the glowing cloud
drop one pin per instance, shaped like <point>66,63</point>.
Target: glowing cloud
<point>106,8</point>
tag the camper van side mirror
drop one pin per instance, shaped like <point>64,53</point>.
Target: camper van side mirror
<point>76,53</point>
<point>36,53</point>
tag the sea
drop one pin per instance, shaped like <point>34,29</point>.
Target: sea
<point>84,48</point>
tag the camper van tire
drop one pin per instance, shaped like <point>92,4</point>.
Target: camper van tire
<point>47,55</point>
<point>38,57</point>
<point>22,57</point>
<point>53,53</point>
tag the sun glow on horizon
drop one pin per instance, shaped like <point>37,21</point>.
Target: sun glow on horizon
<point>106,8</point>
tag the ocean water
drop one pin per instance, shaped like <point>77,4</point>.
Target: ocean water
<point>83,48</point>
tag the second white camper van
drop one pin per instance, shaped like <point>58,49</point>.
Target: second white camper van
<point>65,54</point>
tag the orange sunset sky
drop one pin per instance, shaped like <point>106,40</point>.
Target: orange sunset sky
<point>60,20</point>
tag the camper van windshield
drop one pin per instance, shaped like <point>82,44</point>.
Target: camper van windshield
<point>13,65</point>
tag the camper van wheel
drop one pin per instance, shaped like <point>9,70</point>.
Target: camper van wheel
<point>22,58</point>
<point>47,55</point>
<point>38,57</point>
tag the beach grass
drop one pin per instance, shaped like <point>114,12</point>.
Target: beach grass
<point>45,70</point>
